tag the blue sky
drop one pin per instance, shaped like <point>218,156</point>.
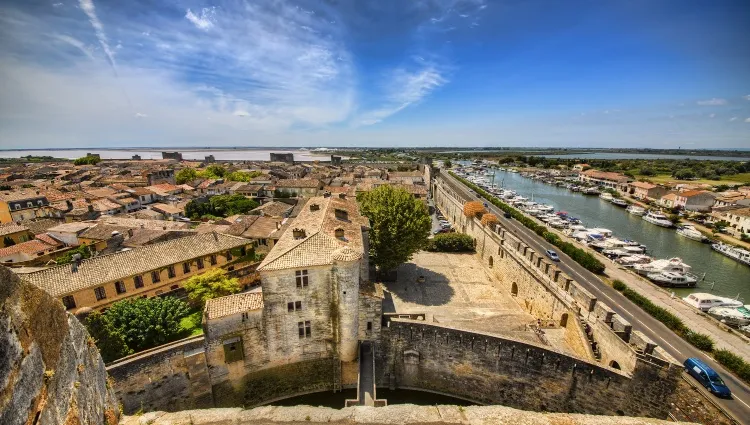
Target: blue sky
<point>616,73</point>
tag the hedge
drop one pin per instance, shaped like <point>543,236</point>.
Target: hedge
<point>451,242</point>
<point>726,358</point>
<point>580,256</point>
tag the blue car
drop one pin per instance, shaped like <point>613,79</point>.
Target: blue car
<point>707,377</point>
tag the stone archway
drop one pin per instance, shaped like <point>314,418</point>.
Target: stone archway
<point>491,261</point>
<point>614,365</point>
<point>514,289</point>
<point>564,320</point>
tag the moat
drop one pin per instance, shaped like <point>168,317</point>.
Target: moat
<point>336,400</point>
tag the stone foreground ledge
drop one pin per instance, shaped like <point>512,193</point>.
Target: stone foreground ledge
<point>395,414</point>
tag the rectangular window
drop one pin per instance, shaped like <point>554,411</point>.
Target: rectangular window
<point>186,268</point>
<point>298,305</point>
<point>170,272</point>
<point>155,277</point>
<point>138,280</point>
<point>120,287</point>
<point>233,350</point>
<point>229,256</point>
<point>200,263</point>
<point>29,204</point>
<point>289,307</point>
<point>294,306</point>
<point>69,302</point>
<point>301,329</point>
<point>100,293</point>
<point>40,202</point>
<point>302,279</point>
<point>308,329</point>
<point>369,326</point>
<point>213,259</point>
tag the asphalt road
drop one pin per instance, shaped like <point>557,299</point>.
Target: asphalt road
<point>738,406</point>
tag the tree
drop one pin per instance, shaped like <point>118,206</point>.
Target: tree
<point>185,175</point>
<point>474,209</point>
<point>489,220</point>
<point>684,174</point>
<point>87,160</point>
<point>147,322</point>
<point>400,225</point>
<point>67,258</point>
<point>109,340</point>
<point>447,163</point>
<point>451,242</point>
<point>220,206</point>
<point>8,241</point>
<point>211,284</point>
<point>240,176</point>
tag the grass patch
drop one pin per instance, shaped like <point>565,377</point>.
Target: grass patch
<point>190,325</point>
<point>731,180</point>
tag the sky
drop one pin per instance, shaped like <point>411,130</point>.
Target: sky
<point>380,73</point>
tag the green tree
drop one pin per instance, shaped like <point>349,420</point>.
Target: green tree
<point>185,175</point>
<point>220,206</point>
<point>147,322</point>
<point>66,258</point>
<point>8,241</point>
<point>213,172</point>
<point>87,160</point>
<point>109,340</point>
<point>447,163</point>
<point>400,225</point>
<point>211,284</point>
<point>240,176</point>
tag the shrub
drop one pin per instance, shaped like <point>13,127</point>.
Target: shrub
<point>733,362</point>
<point>699,340</point>
<point>474,209</point>
<point>489,220</point>
<point>618,285</point>
<point>451,242</point>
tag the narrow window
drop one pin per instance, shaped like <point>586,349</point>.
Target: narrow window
<point>120,287</point>
<point>229,256</point>
<point>308,329</point>
<point>69,302</point>
<point>301,276</point>
<point>138,280</point>
<point>289,307</point>
<point>30,204</point>
<point>170,272</point>
<point>369,326</point>
<point>340,234</point>
<point>186,267</point>
<point>301,329</point>
<point>200,263</point>
<point>213,259</point>
<point>233,350</point>
<point>298,305</point>
<point>155,277</point>
<point>100,293</point>
<point>243,251</point>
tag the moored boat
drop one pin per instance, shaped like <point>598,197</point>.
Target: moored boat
<point>690,232</point>
<point>657,218</point>
<point>619,202</point>
<point>739,254</point>
<point>732,316</point>
<point>636,210</point>
<point>703,301</point>
<point>673,280</point>
<point>667,265</point>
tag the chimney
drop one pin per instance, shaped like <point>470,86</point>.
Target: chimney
<point>278,225</point>
<point>75,263</point>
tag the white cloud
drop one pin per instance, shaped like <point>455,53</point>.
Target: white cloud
<point>711,115</point>
<point>140,115</point>
<point>747,119</point>
<point>90,11</point>
<point>205,20</point>
<point>746,97</point>
<point>56,4</point>
<point>712,102</point>
<point>732,119</point>
<point>75,43</point>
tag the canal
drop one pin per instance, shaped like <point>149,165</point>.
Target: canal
<point>729,277</point>
<point>398,396</point>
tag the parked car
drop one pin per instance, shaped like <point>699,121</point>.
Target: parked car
<point>707,377</point>
<point>552,255</point>
<point>508,215</point>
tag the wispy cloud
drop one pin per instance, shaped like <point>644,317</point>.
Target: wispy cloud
<point>712,102</point>
<point>205,20</point>
<point>75,43</point>
<point>88,8</point>
<point>747,97</point>
<point>406,87</point>
<point>732,119</point>
<point>747,119</point>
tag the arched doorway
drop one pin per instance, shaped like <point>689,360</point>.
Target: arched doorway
<point>564,320</point>
<point>514,289</point>
<point>491,262</point>
<point>614,365</point>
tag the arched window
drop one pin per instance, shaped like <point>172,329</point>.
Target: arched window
<point>514,289</point>
<point>340,233</point>
<point>614,365</point>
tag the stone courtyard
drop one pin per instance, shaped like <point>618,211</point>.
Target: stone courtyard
<point>459,292</point>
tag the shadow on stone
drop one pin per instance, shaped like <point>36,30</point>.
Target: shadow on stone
<point>434,290</point>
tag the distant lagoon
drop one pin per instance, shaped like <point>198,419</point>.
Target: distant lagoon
<point>229,154</point>
<point>619,155</point>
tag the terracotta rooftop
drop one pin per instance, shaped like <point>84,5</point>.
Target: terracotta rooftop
<point>309,183</point>
<point>643,185</point>
<point>92,272</point>
<point>30,247</point>
<point>10,228</point>
<point>274,208</point>
<point>311,240</point>
<point>233,304</point>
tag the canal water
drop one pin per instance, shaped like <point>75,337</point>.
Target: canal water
<point>729,277</point>
<point>336,400</point>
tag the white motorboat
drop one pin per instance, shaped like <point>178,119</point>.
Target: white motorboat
<point>590,191</point>
<point>657,218</point>
<point>606,196</point>
<point>632,260</point>
<point>558,223</point>
<point>703,301</point>
<point>619,202</point>
<point>739,254</point>
<point>732,316</point>
<point>673,280</point>
<point>690,232</point>
<point>636,210</point>
<point>602,231</point>
<point>671,265</point>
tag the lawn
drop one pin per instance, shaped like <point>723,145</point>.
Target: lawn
<point>190,325</point>
<point>743,178</point>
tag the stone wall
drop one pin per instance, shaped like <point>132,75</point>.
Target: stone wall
<point>405,414</point>
<point>170,377</point>
<point>493,370</point>
<point>51,371</point>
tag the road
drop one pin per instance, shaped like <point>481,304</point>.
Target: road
<point>738,406</point>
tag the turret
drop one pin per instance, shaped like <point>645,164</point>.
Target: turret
<point>347,266</point>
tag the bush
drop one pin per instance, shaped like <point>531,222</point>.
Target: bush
<point>489,220</point>
<point>699,341</point>
<point>474,209</point>
<point>733,362</point>
<point>451,242</point>
<point>618,285</point>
